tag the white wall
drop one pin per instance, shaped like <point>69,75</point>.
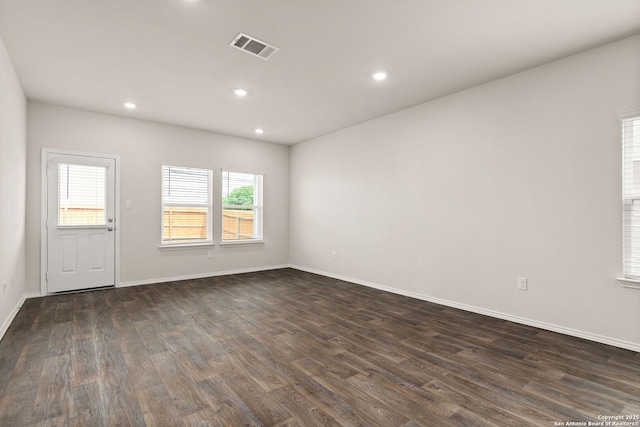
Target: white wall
<point>452,200</point>
<point>143,147</point>
<point>13,152</point>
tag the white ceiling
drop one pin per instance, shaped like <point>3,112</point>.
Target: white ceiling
<point>172,57</point>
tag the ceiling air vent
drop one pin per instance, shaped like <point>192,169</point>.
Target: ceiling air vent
<point>253,46</point>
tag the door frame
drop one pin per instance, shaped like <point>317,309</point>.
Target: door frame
<point>44,247</point>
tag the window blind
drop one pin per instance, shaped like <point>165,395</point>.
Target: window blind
<point>81,194</point>
<point>186,204</point>
<point>631,196</point>
<point>242,206</point>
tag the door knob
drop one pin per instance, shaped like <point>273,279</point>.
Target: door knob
<point>110,229</point>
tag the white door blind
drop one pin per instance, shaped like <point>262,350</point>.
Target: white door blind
<point>242,206</point>
<point>631,196</point>
<point>81,195</point>
<point>186,204</point>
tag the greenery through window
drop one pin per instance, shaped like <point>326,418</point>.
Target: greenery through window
<point>241,206</point>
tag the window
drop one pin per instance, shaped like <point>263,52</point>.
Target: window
<point>81,195</point>
<point>241,207</point>
<point>631,197</point>
<point>186,205</point>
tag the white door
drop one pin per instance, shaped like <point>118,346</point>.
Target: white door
<point>80,224</point>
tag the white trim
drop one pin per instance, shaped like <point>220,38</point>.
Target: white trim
<point>516,319</point>
<point>241,242</point>
<point>44,154</point>
<point>628,283</point>
<point>169,246</point>
<point>200,275</point>
<point>14,312</point>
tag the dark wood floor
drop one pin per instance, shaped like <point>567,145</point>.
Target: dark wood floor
<point>291,348</point>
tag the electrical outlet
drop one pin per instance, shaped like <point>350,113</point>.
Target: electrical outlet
<point>334,255</point>
<point>210,254</point>
<point>522,283</point>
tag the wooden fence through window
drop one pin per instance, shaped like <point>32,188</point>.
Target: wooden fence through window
<point>178,223</point>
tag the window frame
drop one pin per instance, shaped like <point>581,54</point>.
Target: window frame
<point>630,196</point>
<point>185,243</point>
<point>258,209</point>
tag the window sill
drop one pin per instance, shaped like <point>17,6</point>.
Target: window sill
<point>629,283</point>
<point>242,242</point>
<point>186,245</point>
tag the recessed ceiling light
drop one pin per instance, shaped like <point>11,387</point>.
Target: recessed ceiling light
<point>259,131</point>
<point>240,92</point>
<point>130,105</point>
<point>379,75</point>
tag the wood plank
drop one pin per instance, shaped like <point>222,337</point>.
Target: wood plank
<point>290,348</point>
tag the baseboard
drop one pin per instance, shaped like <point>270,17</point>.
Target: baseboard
<point>14,312</point>
<point>199,275</point>
<point>516,319</point>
